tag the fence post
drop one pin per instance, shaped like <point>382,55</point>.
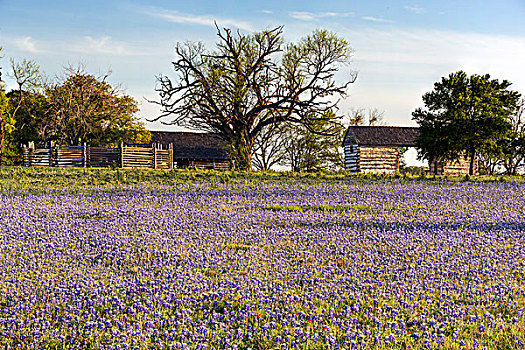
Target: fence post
<point>88,155</point>
<point>170,156</point>
<point>50,155</point>
<point>154,146</point>
<point>30,148</point>
<point>56,159</point>
<point>84,155</point>
<point>122,154</point>
<point>25,154</point>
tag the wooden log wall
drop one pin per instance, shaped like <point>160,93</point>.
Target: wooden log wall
<point>372,159</point>
<point>351,157</point>
<point>137,157</point>
<point>381,159</point>
<point>459,167</point>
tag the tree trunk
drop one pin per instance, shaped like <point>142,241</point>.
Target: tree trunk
<point>243,158</point>
<point>471,167</point>
<point>2,135</point>
<point>243,153</point>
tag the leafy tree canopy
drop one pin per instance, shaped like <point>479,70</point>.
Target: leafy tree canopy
<point>464,116</point>
<point>312,149</point>
<point>513,147</point>
<point>86,108</point>
<point>6,122</point>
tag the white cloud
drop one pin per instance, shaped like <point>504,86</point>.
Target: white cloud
<point>205,20</point>
<point>305,16</point>
<point>438,47</point>
<point>415,9</point>
<point>104,45</point>
<point>311,16</point>
<point>268,12</point>
<point>396,66</point>
<point>27,44</point>
<point>376,19</point>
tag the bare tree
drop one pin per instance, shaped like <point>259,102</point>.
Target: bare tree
<point>268,147</point>
<point>28,78</point>
<point>370,116</point>
<point>251,82</point>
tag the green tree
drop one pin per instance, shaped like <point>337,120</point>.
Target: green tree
<point>28,79</point>
<point>25,109</point>
<point>513,147</point>
<point>6,122</point>
<point>252,81</point>
<point>28,122</point>
<point>464,116</point>
<point>316,147</point>
<point>85,108</point>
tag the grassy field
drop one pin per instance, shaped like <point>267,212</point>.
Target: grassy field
<point>54,178</point>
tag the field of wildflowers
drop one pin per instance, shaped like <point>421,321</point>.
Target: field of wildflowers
<point>264,265</point>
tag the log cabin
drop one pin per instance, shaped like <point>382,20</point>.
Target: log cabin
<point>376,149</point>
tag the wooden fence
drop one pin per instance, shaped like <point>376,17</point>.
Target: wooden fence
<point>86,156</point>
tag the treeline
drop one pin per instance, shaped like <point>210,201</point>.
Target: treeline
<point>274,103</point>
<point>310,148</point>
<point>75,108</point>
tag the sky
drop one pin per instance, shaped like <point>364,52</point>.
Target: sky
<point>400,48</point>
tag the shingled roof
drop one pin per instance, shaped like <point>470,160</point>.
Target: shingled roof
<point>192,145</point>
<point>381,136</point>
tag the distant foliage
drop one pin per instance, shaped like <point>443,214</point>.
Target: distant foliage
<point>23,108</point>
<point>370,117</point>
<point>513,147</point>
<point>78,108</point>
<point>465,116</point>
<point>85,108</point>
<point>314,148</point>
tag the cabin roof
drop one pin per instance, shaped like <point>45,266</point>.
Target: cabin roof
<point>381,136</point>
<point>192,145</point>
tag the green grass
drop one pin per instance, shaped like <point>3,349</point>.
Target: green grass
<point>44,179</point>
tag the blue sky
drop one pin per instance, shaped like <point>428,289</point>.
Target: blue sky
<point>400,47</point>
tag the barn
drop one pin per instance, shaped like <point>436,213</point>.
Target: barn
<point>195,150</point>
<point>376,149</point>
